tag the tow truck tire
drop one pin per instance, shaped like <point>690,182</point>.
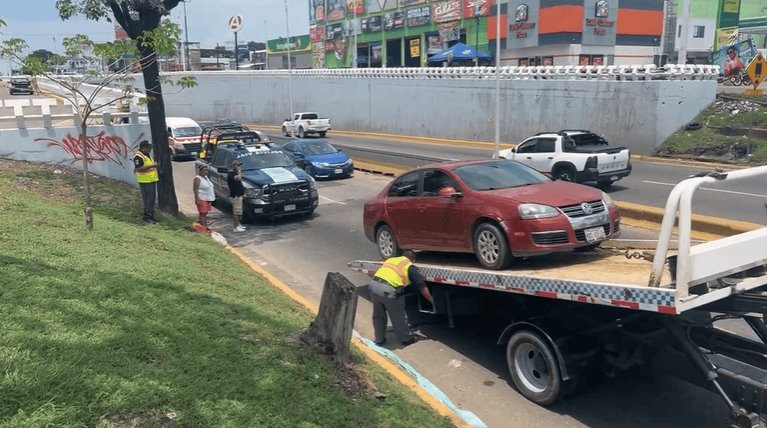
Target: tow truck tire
<point>564,173</point>
<point>387,245</point>
<point>491,247</point>
<point>533,367</point>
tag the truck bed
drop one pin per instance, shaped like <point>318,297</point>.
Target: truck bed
<point>599,277</point>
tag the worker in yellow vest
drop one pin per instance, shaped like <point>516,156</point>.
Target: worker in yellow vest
<point>386,292</point>
<point>145,169</point>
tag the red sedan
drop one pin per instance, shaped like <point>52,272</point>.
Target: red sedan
<point>497,209</point>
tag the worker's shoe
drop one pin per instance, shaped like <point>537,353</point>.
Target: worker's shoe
<point>381,343</point>
<point>412,340</point>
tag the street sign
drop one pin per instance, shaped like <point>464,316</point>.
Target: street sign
<point>235,23</point>
<point>757,69</point>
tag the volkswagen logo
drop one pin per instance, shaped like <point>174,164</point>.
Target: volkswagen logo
<point>586,207</point>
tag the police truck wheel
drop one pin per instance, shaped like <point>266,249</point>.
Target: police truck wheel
<point>387,245</point>
<point>322,134</point>
<point>533,367</point>
<point>491,247</point>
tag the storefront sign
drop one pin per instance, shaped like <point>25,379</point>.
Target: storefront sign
<point>336,10</point>
<point>415,48</point>
<point>371,24</point>
<point>406,3</point>
<point>523,24</point>
<point>355,7</point>
<point>317,33</point>
<point>446,11</point>
<point>599,22</point>
<point>318,55</point>
<point>470,8</point>
<point>418,16</point>
<point>394,20</point>
<point>297,44</point>
<point>316,11</point>
<point>731,6</point>
<point>449,31</point>
<point>333,31</point>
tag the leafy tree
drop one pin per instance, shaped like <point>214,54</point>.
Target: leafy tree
<point>45,56</point>
<point>138,18</point>
<point>101,90</point>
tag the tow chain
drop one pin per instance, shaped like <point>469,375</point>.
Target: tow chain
<point>630,253</point>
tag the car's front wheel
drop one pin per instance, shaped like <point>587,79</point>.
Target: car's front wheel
<point>491,248</point>
<point>301,132</point>
<point>387,244</point>
<point>285,131</point>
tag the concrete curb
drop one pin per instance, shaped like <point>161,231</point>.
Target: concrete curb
<point>387,365</point>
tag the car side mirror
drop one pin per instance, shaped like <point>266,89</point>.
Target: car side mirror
<point>513,149</point>
<point>449,192</point>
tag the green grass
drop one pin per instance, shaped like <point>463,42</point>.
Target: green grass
<point>713,143</point>
<point>127,324</point>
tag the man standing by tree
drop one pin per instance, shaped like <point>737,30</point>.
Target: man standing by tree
<point>146,175</point>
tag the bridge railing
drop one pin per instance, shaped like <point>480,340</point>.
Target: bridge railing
<point>558,72</point>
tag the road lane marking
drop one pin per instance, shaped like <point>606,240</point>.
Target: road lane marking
<point>707,188</point>
<point>332,200</point>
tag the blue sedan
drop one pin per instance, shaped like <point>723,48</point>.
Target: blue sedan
<point>320,159</point>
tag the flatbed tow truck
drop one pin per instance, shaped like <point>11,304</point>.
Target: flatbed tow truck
<point>569,315</point>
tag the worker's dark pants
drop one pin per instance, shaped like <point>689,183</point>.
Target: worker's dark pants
<point>149,197</point>
<point>386,300</point>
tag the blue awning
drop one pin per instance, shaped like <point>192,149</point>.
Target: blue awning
<point>459,51</point>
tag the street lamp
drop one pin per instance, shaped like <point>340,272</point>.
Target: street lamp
<point>497,78</point>
<point>290,75</point>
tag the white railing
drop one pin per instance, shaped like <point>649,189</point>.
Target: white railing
<point>567,72</point>
<point>24,113</point>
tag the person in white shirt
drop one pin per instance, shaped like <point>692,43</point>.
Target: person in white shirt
<point>203,195</point>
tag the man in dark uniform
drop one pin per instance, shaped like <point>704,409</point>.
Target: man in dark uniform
<point>387,291</point>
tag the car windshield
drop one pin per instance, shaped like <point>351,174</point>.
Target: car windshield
<point>318,148</point>
<point>499,175</point>
<point>265,160</point>
<point>190,131</point>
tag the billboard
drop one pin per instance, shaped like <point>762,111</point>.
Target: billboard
<point>418,16</point>
<point>316,11</point>
<point>446,11</point>
<point>734,58</point>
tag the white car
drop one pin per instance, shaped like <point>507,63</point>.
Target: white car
<point>304,124</point>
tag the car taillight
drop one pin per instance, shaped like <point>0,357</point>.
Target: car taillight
<point>591,162</point>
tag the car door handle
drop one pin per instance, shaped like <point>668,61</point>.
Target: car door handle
<point>550,157</point>
<point>529,157</point>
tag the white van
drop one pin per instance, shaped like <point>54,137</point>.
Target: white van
<point>183,137</point>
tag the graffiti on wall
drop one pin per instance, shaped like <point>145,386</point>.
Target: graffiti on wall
<point>101,147</point>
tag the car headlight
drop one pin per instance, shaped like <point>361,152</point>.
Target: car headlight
<point>252,191</point>
<point>531,211</point>
<point>322,164</point>
<point>312,183</point>
<point>348,162</point>
<point>607,200</point>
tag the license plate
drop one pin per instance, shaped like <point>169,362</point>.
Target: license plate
<point>594,234</point>
<point>292,207</point>
<point>338,170</point>
<point>194,153</point>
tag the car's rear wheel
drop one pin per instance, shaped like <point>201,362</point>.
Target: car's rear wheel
<point>491,248</point>
<point>533,367</point>
<point>605,183</point>
<point>564,173</point>
<point>387,244</point>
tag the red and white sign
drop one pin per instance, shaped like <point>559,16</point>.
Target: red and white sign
<point>235,23</point>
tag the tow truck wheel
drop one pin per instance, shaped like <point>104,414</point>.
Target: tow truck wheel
<point>490,247</point>
<point>387,245</point>
<point>533,367</point>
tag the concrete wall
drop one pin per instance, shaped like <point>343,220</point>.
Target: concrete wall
<point>110,149</point>
<point>622,103</point>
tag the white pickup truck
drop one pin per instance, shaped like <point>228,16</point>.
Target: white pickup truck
<point>561,155</point>
<point>304,124</point>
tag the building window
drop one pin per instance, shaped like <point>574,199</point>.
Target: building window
<point>698,31</point>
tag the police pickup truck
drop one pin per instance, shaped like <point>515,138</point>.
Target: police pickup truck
<point>274,185</point>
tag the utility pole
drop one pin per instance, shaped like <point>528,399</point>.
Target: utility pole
<point>383,37</point>
<point>187,61</point>
<point>497,78</point>
<point>354,30</point>
<point>290,75</point>
<point>476,34</point>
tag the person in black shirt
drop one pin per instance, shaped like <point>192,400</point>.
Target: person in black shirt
<point>236,193</point>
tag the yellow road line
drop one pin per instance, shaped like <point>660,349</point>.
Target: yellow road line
<point>387,365</point>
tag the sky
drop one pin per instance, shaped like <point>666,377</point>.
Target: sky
<point>37,22</point>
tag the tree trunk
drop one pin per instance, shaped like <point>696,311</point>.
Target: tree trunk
<point>166,190</point>
<point>331,331</point>
<point>86,184</point>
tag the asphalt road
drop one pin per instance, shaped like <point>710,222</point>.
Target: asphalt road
<point>649,183</point>
<point>463,362</point>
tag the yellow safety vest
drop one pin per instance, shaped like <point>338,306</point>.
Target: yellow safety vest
<point>394,271</point>
<point>149,176</point>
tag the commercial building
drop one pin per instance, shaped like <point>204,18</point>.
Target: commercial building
<point>300,53</point>
<point>396,33</point>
